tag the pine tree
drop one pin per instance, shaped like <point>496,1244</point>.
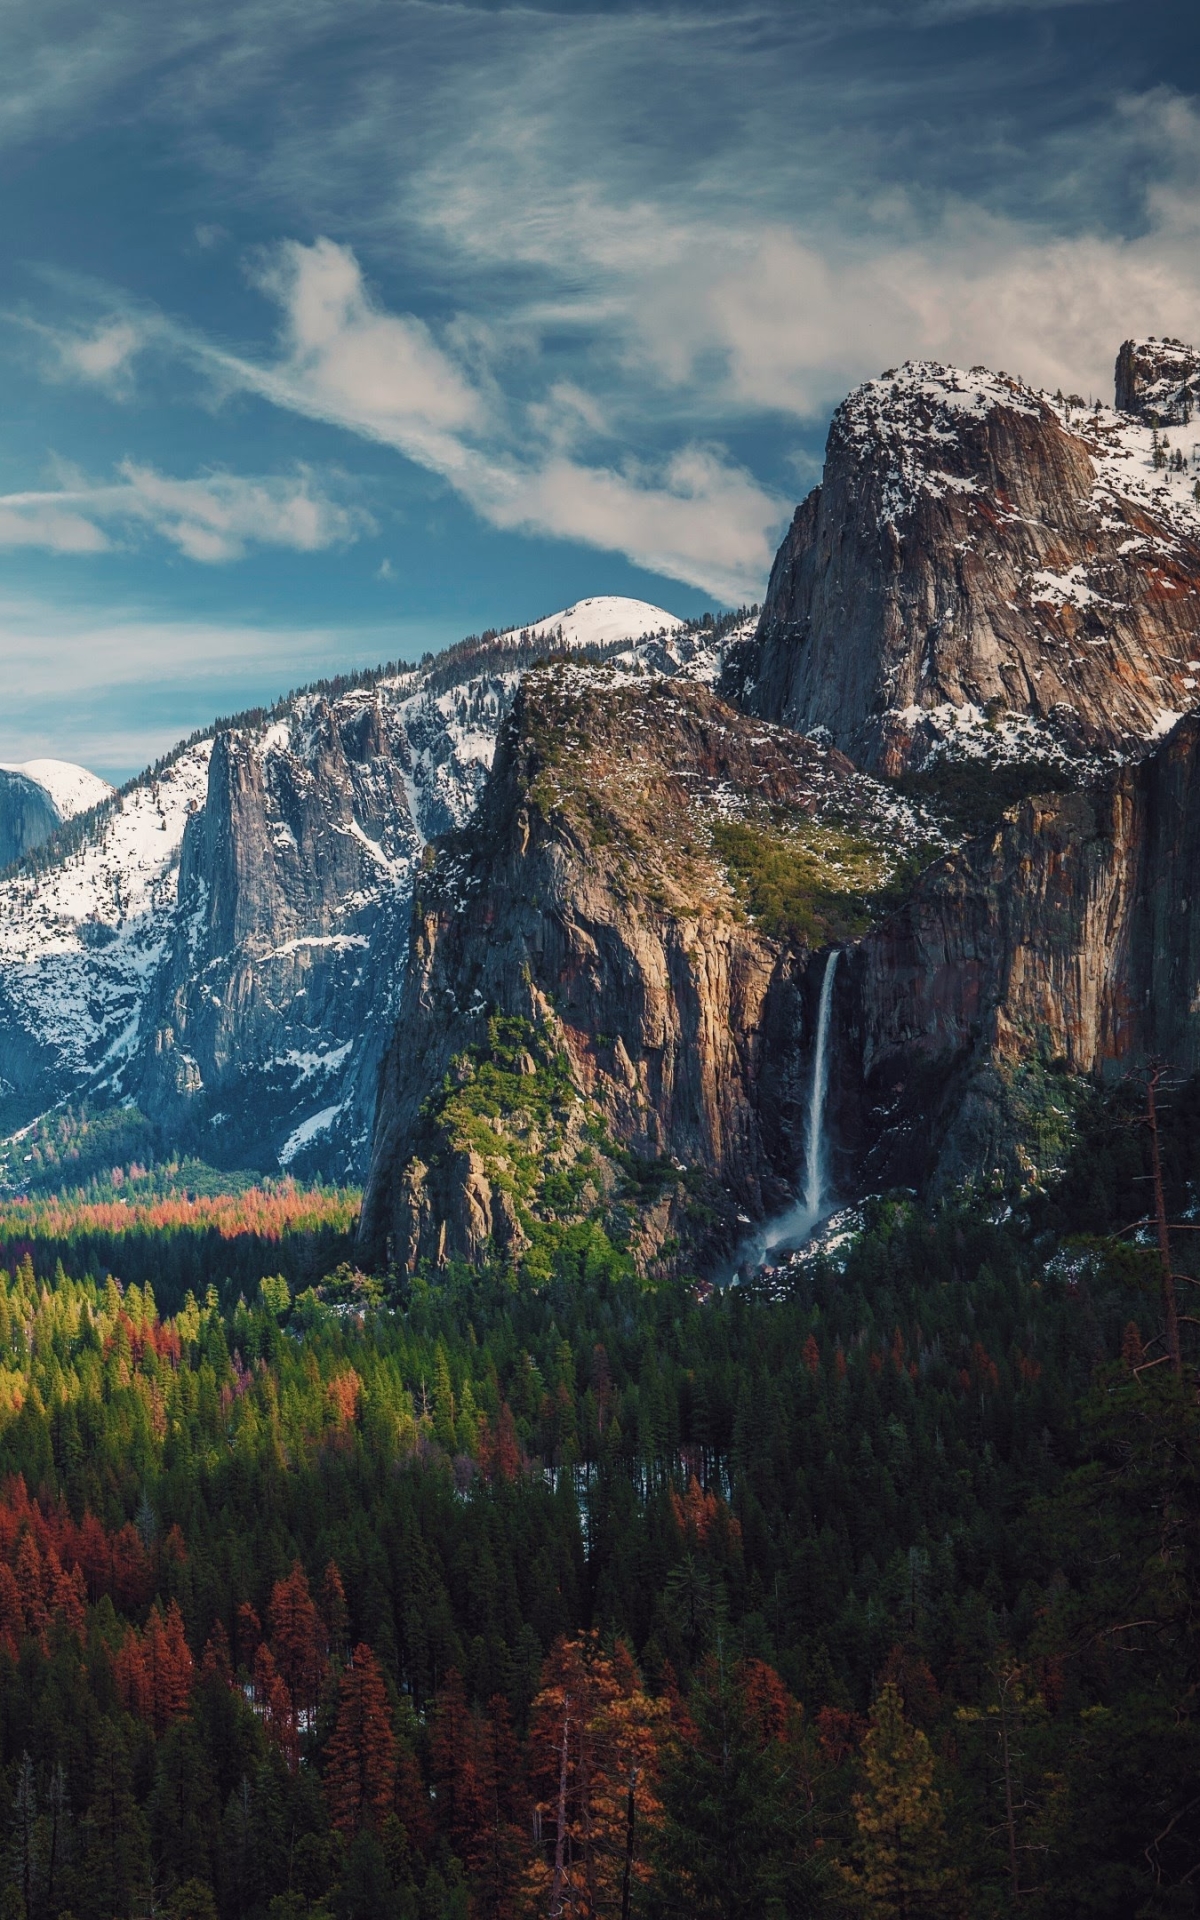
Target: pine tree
<point>734,1844</point>
<point>360,1767</point>
<point>336,1614</point>
<point>114,1871</point>
<point>903,1870</point>
<point>594,1744</point>
<point>298,1637</point>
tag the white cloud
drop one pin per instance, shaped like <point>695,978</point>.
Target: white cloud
<point>104,355</point>
<point>634,276</point>
<point>211,519</point>
<point>701,519</point>
<point>348,361</point>
<point>38,521</point>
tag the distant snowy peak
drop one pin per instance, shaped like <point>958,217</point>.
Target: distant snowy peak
<point>71,789</point>
<point>599,622</point>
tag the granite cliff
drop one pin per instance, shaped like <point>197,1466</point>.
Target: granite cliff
<point>221,942</point>
<point>980,552</point>
<point>991,585</point>
<point>608,1007</point>
<point>534,932</point>
<point>1061,944</point>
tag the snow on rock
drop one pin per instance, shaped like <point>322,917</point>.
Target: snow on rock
<point>599,622</point>
<point>908,425</point>
<point>80,940</point>
<point>223,982</point>
<point>307,1132</point>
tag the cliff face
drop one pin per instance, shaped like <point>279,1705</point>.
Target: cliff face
<point>304,841</point>
<point>977,548</point>
<point>1064,942</point>
<point>27,815</point>
<point>591,907</point>
<point>223,942</point>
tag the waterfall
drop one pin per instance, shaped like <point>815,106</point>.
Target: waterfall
<point>816,1172</point>
<point>795,1224</point>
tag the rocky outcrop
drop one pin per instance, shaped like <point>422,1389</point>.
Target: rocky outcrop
<point>977,549</point>
<point>588,907</point>
<point>304,841</point>
<point>28,816</point>
<point>1158,381</point>
<point>1066,943</point>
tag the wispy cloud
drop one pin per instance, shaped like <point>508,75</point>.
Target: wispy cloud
<point>210,519</point>
<point>343,358</point>
<point>605,246</point>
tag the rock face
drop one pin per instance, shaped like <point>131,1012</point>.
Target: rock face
<point>27,815</point>
<point>977,548</point>
<point>588,906</point>
<point>37,797</point>
<point>223,942</point>
<point>1158,381</point>
<point>1066,942</point>
<point>304,843</point>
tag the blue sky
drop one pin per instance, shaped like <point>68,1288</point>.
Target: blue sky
<point>331,332</point>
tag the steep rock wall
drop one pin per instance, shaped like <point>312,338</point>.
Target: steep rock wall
<point>304,837</point>
<point>1066,939</point>
<point>975,547</point>
<point>586,903</point>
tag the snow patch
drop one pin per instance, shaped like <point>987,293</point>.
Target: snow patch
<point>308,1130</point>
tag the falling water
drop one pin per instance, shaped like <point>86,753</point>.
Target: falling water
<point>815,1173</point>
<point>797,1222</point>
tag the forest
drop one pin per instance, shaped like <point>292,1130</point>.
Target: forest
<point>869,1588</point>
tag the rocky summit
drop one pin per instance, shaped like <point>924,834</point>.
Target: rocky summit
<point>980,554</point>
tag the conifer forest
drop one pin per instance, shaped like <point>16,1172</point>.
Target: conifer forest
<point>868,1586</point>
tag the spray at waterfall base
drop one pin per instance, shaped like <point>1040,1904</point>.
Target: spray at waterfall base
<point>786,1233</point>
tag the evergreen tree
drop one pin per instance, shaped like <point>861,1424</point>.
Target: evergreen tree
<point>904,1870</point>
<point>360,1761</point>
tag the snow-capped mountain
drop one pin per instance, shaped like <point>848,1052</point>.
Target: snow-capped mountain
<point>220,942</point>
<point>39,795</point>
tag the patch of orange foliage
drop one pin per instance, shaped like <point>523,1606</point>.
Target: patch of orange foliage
<point>267,1212</point>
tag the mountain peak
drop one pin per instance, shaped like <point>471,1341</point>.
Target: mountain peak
<point>978,548</point>
<point>36,796</point>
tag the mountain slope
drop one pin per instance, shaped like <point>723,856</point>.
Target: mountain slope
<point>221,943</point>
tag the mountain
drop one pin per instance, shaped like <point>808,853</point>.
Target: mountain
<point>220,943</point>
<point>980,555</point>
<point>990,607</point>
<point>608,998</point>
<point>38,796</point>
<point>573,985</point>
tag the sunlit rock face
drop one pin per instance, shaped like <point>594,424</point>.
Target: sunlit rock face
<point>980,554</point>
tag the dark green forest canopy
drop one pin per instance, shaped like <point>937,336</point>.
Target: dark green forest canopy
<point>297,1571</point>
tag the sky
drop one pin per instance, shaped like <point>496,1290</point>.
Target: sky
<point>334,330</point>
